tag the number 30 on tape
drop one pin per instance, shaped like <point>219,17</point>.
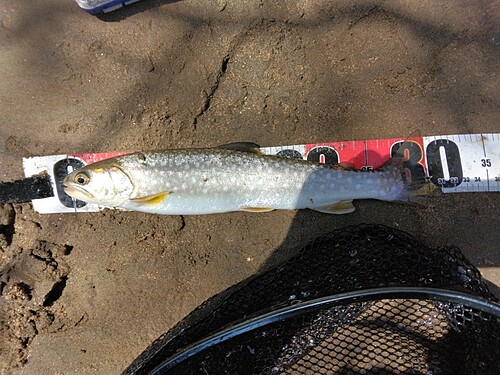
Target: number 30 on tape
<point>454,163</point>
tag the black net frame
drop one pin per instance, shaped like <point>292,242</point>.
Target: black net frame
<point>363,299</point>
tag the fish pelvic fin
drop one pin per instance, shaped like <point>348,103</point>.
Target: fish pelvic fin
<point>151,200</point>
<point>256,209</point>
<point>337,208</point>
<point>242,147</point>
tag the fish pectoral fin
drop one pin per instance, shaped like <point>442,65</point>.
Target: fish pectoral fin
<point>242,147</point>
<point>338,208</point>
<point>152,200</point>
<point>256,209</point>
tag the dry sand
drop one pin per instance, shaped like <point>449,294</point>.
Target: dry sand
<point>86,293</point>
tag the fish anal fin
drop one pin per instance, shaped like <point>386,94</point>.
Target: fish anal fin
<point>152,200</point>
<point>337,208</point>
<point>256,209</point>
<point>242,147</point>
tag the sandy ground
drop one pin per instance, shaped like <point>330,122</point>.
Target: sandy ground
<point>86,293</point>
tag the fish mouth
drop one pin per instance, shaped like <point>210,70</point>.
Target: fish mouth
<point>77,192</point>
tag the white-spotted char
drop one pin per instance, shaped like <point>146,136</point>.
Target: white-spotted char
<point>233,177</point>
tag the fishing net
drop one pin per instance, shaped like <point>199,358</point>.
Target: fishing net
<point>362,300</point>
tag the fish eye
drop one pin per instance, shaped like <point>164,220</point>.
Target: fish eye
<point>82,178</point>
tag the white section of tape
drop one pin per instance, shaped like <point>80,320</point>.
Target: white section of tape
<point>51,205</point>
<point>479,159</point>
<point>459,163</point>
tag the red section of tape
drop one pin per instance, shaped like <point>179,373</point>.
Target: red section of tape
<point>92,158</point>
<point>370,154</point>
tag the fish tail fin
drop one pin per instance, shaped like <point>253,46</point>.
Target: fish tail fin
<point>406,166</point>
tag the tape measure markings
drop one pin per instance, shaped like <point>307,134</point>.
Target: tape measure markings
<point>454,163</point>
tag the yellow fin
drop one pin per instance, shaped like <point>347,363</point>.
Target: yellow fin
<point>152,200</point>
<point>242,147</point>
<point>338,208</point>
<point>256,209</point>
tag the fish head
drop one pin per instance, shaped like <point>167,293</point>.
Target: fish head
<point>104,183</point>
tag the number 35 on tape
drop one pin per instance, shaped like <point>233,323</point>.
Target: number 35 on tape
<point>454,163</point>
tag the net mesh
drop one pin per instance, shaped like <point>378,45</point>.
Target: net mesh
<point>383,336</point>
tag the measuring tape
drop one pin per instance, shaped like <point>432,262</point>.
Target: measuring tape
<point>454,163</point>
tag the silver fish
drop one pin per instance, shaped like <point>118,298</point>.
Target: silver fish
<point>233,177</point>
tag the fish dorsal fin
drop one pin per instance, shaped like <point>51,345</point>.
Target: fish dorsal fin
<point>338,208</point>
<point>242,147</point>
<point>151,200</point>
<point>345,166</point>
<point>256,209</point>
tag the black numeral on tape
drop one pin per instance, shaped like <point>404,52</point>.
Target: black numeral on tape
<point>61,170</point>
<point>453,161</point>
<point>325,154</point>
<point>289,154</point>
<point>412,163</point>
<point>485,163</point>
